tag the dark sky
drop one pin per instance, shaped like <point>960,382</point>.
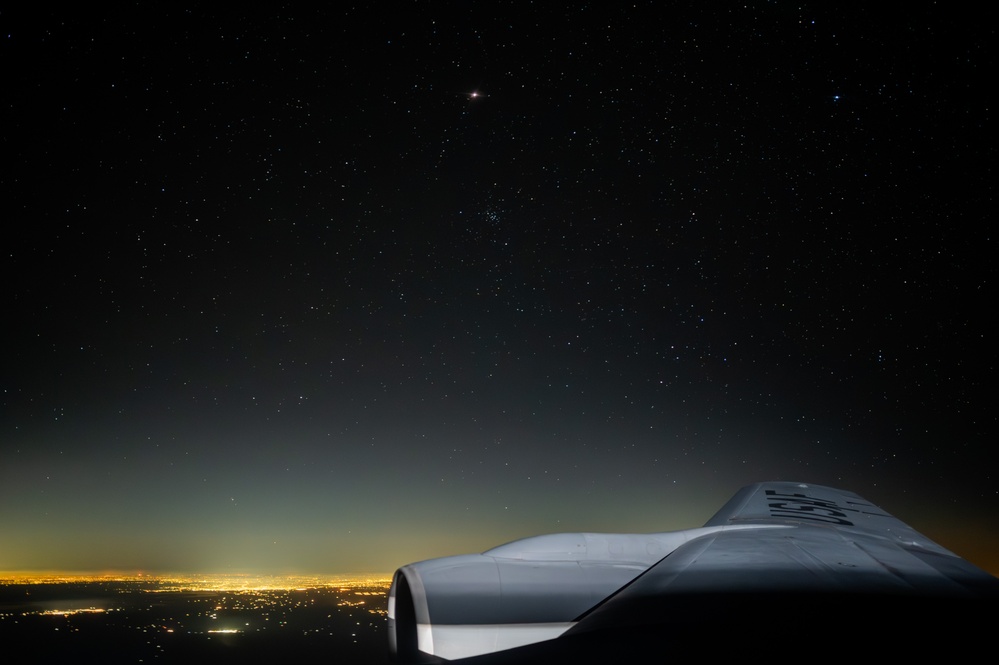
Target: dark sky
<point>329,289</point>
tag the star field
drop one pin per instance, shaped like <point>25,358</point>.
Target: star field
<point>332,290</point>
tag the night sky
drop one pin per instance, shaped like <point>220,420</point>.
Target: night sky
<point>327,289</point>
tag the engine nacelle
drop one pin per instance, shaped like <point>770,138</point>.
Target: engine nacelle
<point>520,593</point>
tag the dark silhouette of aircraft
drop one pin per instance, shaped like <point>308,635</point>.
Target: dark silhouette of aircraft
<point>783,569</point>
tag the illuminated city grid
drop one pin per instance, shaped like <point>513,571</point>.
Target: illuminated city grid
<point>151,615</point>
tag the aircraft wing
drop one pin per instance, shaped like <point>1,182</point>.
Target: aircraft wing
<point>791,562</point>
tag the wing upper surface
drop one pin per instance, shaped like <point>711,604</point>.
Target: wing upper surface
<point>836,546</point>
<point>806,504</point>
